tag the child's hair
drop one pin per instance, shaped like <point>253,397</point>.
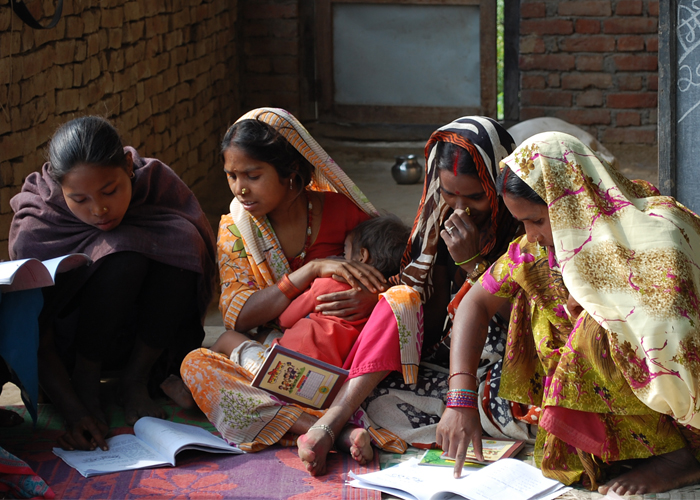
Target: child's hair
<point>385,238</point>
<point>454,158</point>
<point>508,182</point>
<point>89,140</point>
<point>262,142</point>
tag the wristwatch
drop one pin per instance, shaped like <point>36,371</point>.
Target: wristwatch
<point>478,270</point>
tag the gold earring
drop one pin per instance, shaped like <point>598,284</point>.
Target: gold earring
<point>104,209</point>
<point>243,191</point>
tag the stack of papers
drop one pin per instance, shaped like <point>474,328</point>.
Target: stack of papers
<point>505,479</point>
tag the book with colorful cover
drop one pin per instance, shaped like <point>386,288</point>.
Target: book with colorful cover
<point>492,448</point>
<point>299,379</point>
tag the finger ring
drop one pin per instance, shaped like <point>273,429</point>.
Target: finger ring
<point>467,211</point>
<point>449,229</point>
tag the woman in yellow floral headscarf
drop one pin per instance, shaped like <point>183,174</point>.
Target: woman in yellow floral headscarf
<point>604,330</point>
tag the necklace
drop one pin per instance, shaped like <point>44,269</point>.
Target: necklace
<point>298,261</point>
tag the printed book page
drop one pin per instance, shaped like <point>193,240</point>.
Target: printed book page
<point>26,274</point>
<point>508,478</point>
<point>154,444</point>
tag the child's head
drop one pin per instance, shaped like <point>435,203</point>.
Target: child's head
<point>87,158</point>
<point>380,241</point>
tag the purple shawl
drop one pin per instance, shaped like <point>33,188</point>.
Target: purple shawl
<point>164,222</point>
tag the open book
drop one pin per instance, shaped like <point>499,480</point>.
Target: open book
<point>299,379</point>
<point>507,478</point>
<point>492,448</point>
<point>25,274</point>
<point>155,443</point>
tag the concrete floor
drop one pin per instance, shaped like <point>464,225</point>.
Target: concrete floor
<point>369,165</point>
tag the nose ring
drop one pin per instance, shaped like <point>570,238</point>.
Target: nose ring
<point>467,211</point>
<point>243,191</point>
<point>104,209</point>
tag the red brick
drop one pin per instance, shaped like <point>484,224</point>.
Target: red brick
<point>270,46</point>
<point>556,62</point>
<point>255,10</point>
<point>285,65</point>
<point>545,98</point>
<point>578,81</point>
<point>628,119</point>
<point>630,43</point>
<point>533,9</point>
<point>629,8</point>
<point>631,101</point>
<point>589,63</point>
<point>600,43</point>
<point>653,82</point>
<point>594,8</point>
<point>547,27</point>
<point>585,116</point>
<point>590,98</point>
<point>532,82</point>
<point>554,80</point>
<point>629,82</point>
<point>635,62</point>
<point>630,135</point>
<point>532,45</point>
<point>654,8</point>
<point>587,26</point>
<point>258,64</point>
<point>653,44</point>
<point>630,25</point>
<point>529,113</point>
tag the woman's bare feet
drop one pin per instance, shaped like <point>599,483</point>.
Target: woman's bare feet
<point>357,442</point>
<point>174,387</point>
<point>313,450</point>
<point>138,403</point>
<point>657,475</point>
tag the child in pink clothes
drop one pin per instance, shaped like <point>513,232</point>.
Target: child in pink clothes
<point>379,241</point>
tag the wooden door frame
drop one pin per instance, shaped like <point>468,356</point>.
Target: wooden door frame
<point>324,84</point>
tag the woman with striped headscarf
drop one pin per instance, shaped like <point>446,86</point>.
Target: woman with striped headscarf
<point>461,227</point>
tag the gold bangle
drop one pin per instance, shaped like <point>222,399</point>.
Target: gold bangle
<point>286,286</point>
<point>463,373</point>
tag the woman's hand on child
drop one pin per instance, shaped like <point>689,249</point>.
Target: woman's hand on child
<point>350,304</point>
<point>86,434</point>
<point>461,235</point>
<point>457,428</point>
<point>352,272</point>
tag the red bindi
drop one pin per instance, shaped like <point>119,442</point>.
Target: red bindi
<point>457,193</point>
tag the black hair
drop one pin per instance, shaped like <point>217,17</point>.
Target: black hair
<point>508,182</point>
<point>447,153</point>
<point>385,239</point>
<point>90,140</point>
<point>263,143</point>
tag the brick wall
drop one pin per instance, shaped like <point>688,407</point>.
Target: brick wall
<point>163,71</point>
<point>270,54</point>
<point>592,63</point>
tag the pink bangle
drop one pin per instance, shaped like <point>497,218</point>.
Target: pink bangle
<point>286,286</point>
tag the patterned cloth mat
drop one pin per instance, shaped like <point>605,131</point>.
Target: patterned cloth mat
<point>690,493</point>
<point>272,474</point>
